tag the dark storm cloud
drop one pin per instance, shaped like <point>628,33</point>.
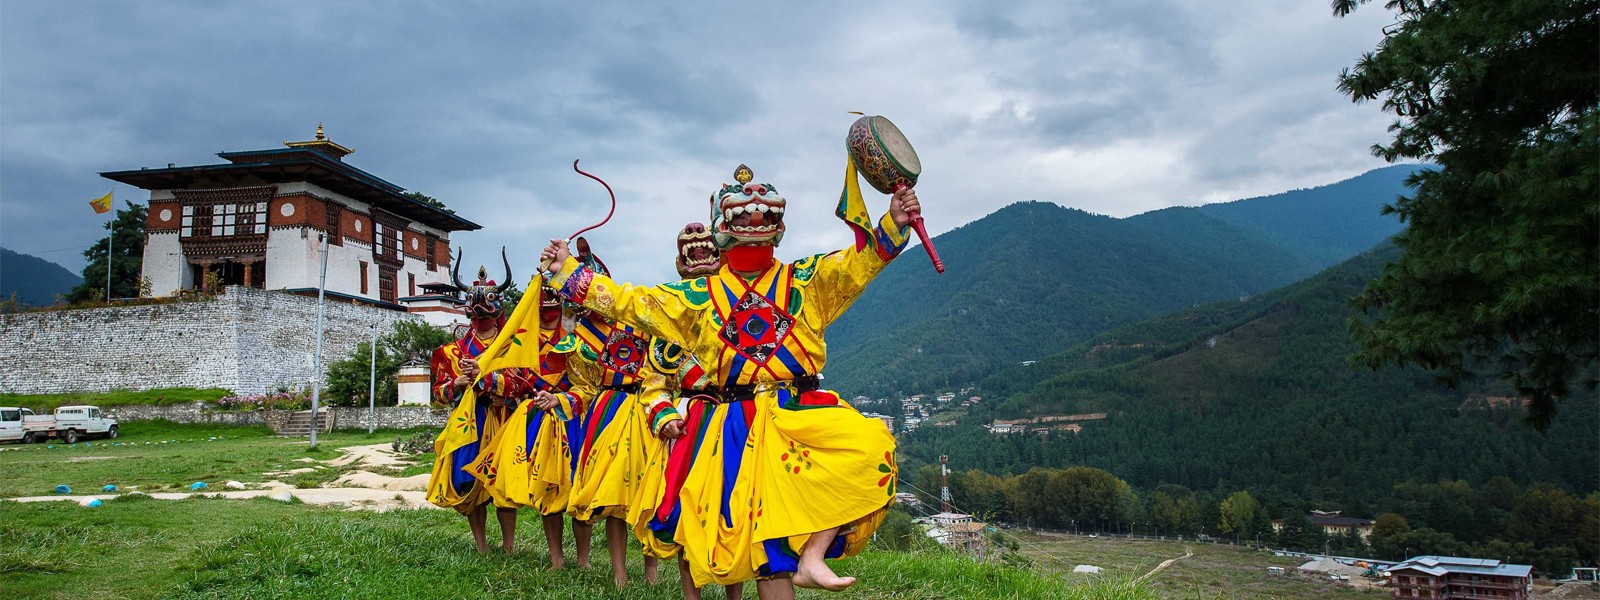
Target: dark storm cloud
<point>1089,74</point>
<point>1113,107</point>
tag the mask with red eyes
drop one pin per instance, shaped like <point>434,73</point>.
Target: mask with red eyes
<point>483,298</point>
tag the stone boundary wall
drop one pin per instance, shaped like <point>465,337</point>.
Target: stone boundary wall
<point>186,413</point>
<point>246,340</point>
<point>388,417</point>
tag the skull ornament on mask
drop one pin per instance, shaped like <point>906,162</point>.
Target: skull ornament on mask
<point>746,213</point>
<point>697,253</point>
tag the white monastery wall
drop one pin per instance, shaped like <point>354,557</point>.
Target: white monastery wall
<point>163,263</point>
<point>248,341</point>
<point>289,251</point>
<point>344,267</point>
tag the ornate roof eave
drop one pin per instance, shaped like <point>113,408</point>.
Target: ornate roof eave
<point>301,164</point>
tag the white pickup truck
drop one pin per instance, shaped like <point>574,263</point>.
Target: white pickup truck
<point>70,423</point>
<point>11,423</point>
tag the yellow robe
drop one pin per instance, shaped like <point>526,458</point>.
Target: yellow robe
<point>783,464</point>
<point>619,426</point>
<point>463,452</point>
<point>673,365</point>
<point>535,470</point>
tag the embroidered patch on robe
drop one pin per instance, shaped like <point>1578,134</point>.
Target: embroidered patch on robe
<point>756,328</point>
<point>624,353</point>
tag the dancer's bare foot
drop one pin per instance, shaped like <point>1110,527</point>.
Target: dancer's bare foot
<point>818,576</point>
<point>557,562</point>
<point>620,580</point>
<point>651,574</point>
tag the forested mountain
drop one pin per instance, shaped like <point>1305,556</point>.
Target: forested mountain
<point>1257,395</point>
<point>1034,278</point>
<point>34,280</point>
<point>1326,224</point>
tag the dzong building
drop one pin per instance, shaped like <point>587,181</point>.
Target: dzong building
<point>257,220</point>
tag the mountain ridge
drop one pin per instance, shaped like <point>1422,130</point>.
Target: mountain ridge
<point>1033,278</point>
<point>35,281</point>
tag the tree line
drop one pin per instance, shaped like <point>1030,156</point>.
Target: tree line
<point>1540,525</point>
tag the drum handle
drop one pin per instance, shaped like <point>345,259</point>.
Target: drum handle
<point>922,234</point>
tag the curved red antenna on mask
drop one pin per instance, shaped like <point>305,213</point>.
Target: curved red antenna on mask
<point>608,191</point>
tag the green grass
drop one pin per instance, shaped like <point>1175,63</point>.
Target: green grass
<point>206,548</point>
<point>1213,571</point>
<point>42,403</point>
<point>209,453</point>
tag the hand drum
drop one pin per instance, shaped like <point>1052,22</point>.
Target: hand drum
<point>884,157</point>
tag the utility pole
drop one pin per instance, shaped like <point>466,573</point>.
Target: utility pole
<point>944,483</point>
<point>316,380</point>
<point>372,384</point>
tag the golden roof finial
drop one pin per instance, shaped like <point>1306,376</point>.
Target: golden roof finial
<point>743,175</point>
<point>321,142</point>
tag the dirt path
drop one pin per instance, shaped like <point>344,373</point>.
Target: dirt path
<point>358,490</point>
<point>354,498</point>
<point>1187,552</point>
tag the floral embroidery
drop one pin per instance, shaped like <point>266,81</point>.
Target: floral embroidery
<point>801,456</point>
<point>889,469</point>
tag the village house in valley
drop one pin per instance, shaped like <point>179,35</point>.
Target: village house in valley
<point>1453,577</point>
<point>1333,523</point>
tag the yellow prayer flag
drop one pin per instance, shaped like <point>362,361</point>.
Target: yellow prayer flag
<point>101,205</point>
<point>852,209</point>
<point>517,345</point>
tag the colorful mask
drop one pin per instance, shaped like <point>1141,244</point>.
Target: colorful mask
<point>747,213</point>
<point>549,304</point>
<point>484,296</point>
<point>697,254</point>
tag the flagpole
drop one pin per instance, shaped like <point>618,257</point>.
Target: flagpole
<point>109,241</point>
<point>316,382</point>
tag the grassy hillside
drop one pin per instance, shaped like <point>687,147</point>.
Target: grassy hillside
<point>135,547</point>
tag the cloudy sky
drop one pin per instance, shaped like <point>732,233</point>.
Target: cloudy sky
<point>1112,107</point>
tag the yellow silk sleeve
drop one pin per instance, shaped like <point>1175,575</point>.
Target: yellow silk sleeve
<point>563,408</point>
<point>841,276</point>
<point>654,310</point>
<point>656,395</point>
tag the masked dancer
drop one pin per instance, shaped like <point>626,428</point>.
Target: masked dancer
<point>532,465</point>
<point>654,514</point>
<point>796,475</point>
<point>481,405</point>
<point>620,426</point>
